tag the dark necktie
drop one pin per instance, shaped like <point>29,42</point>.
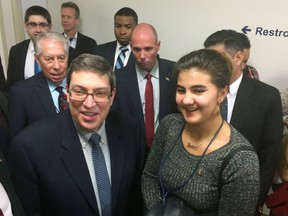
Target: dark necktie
<point>149,111</point>
<point>1,213</point>
<point>224,109</point>
<point>102,178</point>
<point>62,99</point>
<point>121,58</point>
<point>37,67</point>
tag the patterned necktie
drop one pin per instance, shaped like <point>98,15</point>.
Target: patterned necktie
<point>62,99</point>
<point>102,178</point>
<point>149,111</point>
<point>121,58</point>
<point>224,109</point>
<point>37,67</point>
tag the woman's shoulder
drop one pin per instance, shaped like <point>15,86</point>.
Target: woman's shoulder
<point>173,117</point>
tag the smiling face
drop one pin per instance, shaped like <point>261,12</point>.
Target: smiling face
<point>197,97</point>
<point>88,114</point>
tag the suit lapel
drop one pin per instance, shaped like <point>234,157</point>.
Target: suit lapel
<point>244,104</point>
<point>132,89</point>
<point>74,160</point>
<point>44,95</point>
<point>116,146</point>
<point>165,88</point>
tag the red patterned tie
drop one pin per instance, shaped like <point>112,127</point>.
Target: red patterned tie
<point>1,213</point>
<point>149,111</point>
<point>62,99</point>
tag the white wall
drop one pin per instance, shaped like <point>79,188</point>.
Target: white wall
<point>184,25</point>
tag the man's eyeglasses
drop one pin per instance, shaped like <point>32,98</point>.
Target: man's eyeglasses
<point>41,25</point>
<point>81,95</point>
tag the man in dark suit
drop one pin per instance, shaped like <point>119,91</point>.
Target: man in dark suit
<point>52,161</point>
<point>132,80</point>
<point>125,20</point>
<point>254,108</point>
<point>37,97</point>
<point>9,202</point>
<point>21,56</point>
<point>70,19</point>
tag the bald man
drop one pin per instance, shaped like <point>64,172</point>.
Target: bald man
<point>131,82</point>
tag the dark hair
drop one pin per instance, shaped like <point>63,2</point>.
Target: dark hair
<point>245,40</point>
<point>126,11</point>
<point>72,5</point>
<point>92,63</point>
<point>37,10</point>
<point>229,38</point>
<point>208,61</point>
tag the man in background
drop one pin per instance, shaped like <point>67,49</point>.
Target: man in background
<point>125,20</point>
<point>43,94</point>
<point>22,64</point>
<point>146,88</point>
<point>248,70</point>
<point>253,108</point>
<point>70,19</point>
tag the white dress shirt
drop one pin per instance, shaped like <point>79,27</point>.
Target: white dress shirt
<point>5,204</point>
<point>30,61</point>
<point>118,51</point>
<point>231,96</point>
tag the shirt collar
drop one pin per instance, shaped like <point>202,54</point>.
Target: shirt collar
<point>154,72</point>
<point>233,88</point>
<point>84,136</point>
<point>119,45</point>
<point>31,47</point>
<point>52,86</point>
<point>75,36</point>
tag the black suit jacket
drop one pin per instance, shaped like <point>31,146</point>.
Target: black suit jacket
<point>257,114</point>
<point>108,50</point>
<point>29,100</point>
<point>127,99</point>
<point>2,78</point>
<point>84,44</point>
<point>6,182</point>
<point>16,62</point>
<point>50,173</point>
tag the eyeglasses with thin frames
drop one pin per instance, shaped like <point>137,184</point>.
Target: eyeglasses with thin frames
<point>41,25</point>
<point>99,96</point>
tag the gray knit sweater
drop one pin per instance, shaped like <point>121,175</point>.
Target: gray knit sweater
<point>240,178</point>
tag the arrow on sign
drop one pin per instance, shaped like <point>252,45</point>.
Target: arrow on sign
<point>245,29</point>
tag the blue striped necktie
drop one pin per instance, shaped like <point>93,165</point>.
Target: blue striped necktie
<point>121,58</point>
<point>102,178</point>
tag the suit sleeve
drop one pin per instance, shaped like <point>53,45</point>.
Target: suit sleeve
<point>16,112</point>
<point>271,144</point>
<point>24,178</point>
<point>11,68</point>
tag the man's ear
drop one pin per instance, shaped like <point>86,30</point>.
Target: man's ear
<point>239,58</point>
